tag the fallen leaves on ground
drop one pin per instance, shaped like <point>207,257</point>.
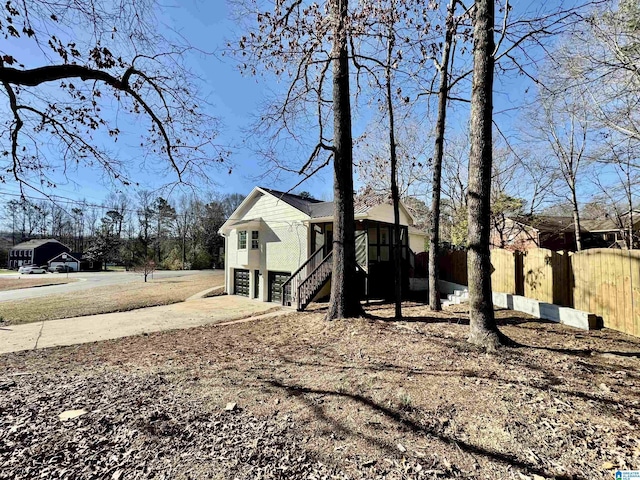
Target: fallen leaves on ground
<point>364,399</point>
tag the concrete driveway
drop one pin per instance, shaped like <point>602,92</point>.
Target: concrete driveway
<point>94,328</point>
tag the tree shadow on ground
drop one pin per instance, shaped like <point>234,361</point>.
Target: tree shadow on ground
<point>422,319</point>
<point>518,321</point>
<point>549,381</point>
<point>403,420</point>
<point>585,352</point>
<point>457,318</point>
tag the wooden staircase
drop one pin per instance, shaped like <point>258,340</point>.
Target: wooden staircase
<point>305,283</point>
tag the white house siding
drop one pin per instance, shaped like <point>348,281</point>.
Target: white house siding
<point>290,251</point>
<point>416,242</point>
<point>384,213</point>
<point>283,241</point>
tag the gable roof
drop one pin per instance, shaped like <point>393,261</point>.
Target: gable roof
<point>304,204</point>
<point>301,204</point>
<point>68,254</point>
<point>36,243</point>
<point>315,209</point>
<point>322,209</point>
<point>545,223</point>
<point>556,224</point>
<point>360,210</point>
<point>599,225</point>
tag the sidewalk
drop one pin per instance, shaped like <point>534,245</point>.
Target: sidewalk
<point>94,328</point>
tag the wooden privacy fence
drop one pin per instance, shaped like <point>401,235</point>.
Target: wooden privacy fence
<point>546,276</point>
<point>504,276</point>
<point>607,282</point>
<point>602,281</point>
<point>453,266</point>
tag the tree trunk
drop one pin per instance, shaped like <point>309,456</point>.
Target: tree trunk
<point>344,302</point>
<point>395,195</point>
<point>158,239</point>
<point>434,234</point>
<point>184,250</point>
<point>483,329</point>
<point>631,227</point>
<point>576,219</point>
<point>630,206</point>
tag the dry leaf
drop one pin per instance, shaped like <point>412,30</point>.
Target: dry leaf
<point>69,414</point>
<point>608,466</point>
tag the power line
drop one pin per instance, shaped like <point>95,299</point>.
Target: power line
<point>55,199</point>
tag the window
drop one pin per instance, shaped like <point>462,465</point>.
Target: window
<point>255,236</point>
<point>384,236</point>
<point>381,238</point>
<point>242,240</point>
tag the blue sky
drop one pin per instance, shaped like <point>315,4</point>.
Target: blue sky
<point>235,100</point>
<point>233,97</point>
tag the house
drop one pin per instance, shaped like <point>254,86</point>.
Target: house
<point>552,232</point>
<point>70,260</point>
<point>88,265</point>
<point>617,233</point>
<point>602,232</point>
<point>278,247</point>
<point>35,252</point>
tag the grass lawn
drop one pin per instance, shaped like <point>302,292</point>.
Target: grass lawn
<point>112,298</point>
<point>369,398</point>
<point>27,282</point>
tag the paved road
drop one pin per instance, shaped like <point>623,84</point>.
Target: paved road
<point>87,280</point>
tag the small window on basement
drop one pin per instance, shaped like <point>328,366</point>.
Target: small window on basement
<point>255,236</point>
<point>242,240</point>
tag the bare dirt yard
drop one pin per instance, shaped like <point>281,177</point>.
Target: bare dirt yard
<point>371,398</point>
<point>107,299</point>
<point>24,282</point>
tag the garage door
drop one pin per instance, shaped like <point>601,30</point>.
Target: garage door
<point>276,279</point>
<point>241,282</point>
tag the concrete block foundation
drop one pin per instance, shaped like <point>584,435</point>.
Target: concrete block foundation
<point>547,311</point>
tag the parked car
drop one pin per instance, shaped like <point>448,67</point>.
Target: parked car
<point>31,269</point>
<point>60,269</point>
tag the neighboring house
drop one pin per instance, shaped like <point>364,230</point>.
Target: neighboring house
<point>280,244</point>
<point>601,232</point>
<point>70,260</point>
<point>88,265</point>
<point>78,262</point>
<point>35,252</point>
<point>629,220</point>
<point>553,232</point>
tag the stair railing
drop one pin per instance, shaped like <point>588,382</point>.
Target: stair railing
<point>311,285</point>
<point>290,287</point>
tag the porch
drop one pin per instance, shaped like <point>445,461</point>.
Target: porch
<point>375,241</point>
